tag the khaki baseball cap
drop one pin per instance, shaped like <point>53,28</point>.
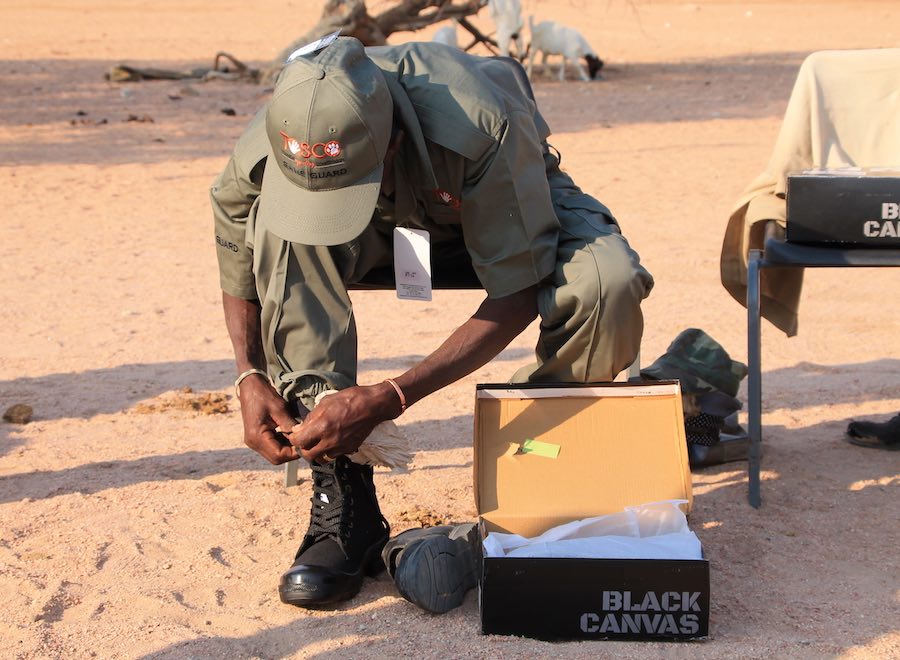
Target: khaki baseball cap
<point>329,125</point>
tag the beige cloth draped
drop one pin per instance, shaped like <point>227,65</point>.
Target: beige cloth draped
<point>844,111</point>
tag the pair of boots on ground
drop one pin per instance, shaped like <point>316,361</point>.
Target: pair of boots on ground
<point>348,538</point>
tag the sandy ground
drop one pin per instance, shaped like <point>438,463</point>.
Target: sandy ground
<point>134,521</point>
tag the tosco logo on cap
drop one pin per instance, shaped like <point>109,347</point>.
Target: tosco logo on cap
<point>302,150</point>
<point>312,157</point>
<point>329,124</point>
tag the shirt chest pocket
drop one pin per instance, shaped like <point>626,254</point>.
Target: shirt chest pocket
<point>443,207</point>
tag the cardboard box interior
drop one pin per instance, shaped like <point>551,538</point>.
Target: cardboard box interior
<point>618,445</point>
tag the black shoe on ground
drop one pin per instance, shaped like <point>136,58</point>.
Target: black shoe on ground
<point>883,435</point>
<point>345,537</point>
<point>726,449</point>
<point>434,567</point>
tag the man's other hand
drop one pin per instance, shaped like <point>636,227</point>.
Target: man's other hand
<point>263,410</point>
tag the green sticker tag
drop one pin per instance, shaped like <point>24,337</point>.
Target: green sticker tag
<point>544,449</point>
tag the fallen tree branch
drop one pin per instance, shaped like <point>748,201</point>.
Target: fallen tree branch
<point>220,71</point>
<point>352,18</point>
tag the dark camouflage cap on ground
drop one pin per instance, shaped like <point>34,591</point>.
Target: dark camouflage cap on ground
<point>700,363</point>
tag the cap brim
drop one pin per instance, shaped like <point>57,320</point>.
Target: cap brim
<point>325,217</point>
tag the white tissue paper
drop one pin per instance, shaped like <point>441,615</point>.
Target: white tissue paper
<point>657,530</point>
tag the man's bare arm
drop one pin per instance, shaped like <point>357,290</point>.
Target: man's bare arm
<point>242,319</point>
<point>475,343</point>
<point>262,409</point>
<point>342,421</point>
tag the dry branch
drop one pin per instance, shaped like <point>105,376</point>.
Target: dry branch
<point>352,18</point>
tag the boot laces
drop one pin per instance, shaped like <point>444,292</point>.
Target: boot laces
<point>331,511</point>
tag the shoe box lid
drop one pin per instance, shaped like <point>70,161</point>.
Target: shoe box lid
<point>547,454</point>
<point>849,206</point>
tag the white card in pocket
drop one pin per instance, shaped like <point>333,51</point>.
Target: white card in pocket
<point>412,263</point>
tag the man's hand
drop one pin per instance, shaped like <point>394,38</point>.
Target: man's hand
<point>342,421</point>
<point>262,410</point>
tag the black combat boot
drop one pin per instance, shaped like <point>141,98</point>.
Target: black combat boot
<point>345,537</point>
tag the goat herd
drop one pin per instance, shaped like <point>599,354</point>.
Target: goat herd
<point>547,38</point>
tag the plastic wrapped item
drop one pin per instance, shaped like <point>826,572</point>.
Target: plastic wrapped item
<point>657,530</point>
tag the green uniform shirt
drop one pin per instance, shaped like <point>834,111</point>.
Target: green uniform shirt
<point>471,167</point>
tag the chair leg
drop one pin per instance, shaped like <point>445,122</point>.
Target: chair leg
<point>754,378</point>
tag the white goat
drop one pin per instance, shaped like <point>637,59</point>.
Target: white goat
<point>447,34</point>
<point>551,38</point>
<point>507,17</point>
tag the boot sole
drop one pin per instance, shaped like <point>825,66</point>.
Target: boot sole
<point>436,572</point>
<point>395,546</point>
<point>320,586</point>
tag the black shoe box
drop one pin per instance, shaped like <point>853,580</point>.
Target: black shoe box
<point>619,445</point>
<point>847,207</point>
<point>634,599</point>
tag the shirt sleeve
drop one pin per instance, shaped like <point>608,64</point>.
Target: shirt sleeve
<point>508,221</point>
<point>234,197</point>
